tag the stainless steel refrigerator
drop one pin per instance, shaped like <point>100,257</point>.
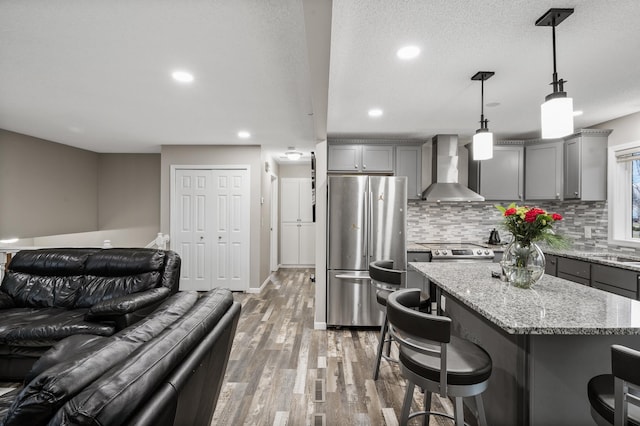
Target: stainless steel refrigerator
<point>366,222</point>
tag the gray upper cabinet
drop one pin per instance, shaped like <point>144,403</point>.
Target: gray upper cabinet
<point>409,164</point>
<point>500,178</point>
<point>360,158</point>
<point>544,170</point>
<point>345,158</point>
<point>585,165</point>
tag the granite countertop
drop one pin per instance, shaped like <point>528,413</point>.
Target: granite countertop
<point>554,306</point>
<point>599,256</point>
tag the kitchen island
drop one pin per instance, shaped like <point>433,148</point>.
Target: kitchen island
<point>545,343</point>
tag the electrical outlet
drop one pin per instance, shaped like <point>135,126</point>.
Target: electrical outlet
<point>587,232</point>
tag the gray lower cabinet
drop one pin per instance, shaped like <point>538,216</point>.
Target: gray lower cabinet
<point>544,170</point>
<point>551,265</point>
<point>574,270</point>
<point>414,278</point>
<point>501,177</point>
<point>615,280</point>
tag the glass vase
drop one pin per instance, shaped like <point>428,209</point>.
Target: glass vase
<point>523,265</point>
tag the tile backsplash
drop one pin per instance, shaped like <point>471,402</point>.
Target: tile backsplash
<point>473,221</point>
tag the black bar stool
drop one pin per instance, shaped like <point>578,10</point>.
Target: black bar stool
<point>386,280</point>
<point>614,398</point>
<point>433,359</point>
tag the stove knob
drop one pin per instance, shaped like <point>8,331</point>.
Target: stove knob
<point>486,252</point>
<point>444,252</point>
<point>436,252</point>
<point>479,252</point>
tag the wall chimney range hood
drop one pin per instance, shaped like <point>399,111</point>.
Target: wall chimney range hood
<point>444,173</point>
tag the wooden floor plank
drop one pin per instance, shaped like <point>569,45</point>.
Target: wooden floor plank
<point>277,359</point>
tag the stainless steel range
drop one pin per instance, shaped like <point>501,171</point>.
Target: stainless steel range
<point>459,252</point>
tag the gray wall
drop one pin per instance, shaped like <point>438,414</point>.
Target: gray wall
<point>295,170</point>
<point>218,155</point>
<point>46,188</point>
<point>625,129</point>
<point>128,191</point>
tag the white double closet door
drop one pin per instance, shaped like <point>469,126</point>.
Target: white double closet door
<point>210,228</point>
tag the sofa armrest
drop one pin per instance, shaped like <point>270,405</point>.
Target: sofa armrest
<point>127,304</point>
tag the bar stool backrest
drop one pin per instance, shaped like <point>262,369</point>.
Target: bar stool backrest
<point>385,277</point>
<point>422,332</point>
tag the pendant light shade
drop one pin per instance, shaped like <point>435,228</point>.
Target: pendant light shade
<point>557,117</point>
<point>556,113</point>
<point>482,147</point>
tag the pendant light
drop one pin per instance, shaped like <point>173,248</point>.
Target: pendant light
<point>556,112</point>
<point>483,139</point>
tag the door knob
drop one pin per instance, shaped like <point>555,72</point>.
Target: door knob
<point>201,237</point>
<point>219,237</point>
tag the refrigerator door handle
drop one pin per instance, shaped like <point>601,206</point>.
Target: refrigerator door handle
<point>370,228</point>
<point>353,277</point>
<point>365,231</point>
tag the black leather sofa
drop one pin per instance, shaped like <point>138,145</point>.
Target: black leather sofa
<point>49,294</point>
<point>165,369</point>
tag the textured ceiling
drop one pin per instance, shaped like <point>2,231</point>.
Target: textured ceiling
<point>96,74</point>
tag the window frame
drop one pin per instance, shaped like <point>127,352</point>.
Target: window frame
<point>619,197</point>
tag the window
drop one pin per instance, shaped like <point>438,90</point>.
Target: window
<point>624,194</point>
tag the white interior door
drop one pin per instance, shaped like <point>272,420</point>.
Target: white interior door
<point>210,230</point>
<point>193,236</point>
<point>231,253</point>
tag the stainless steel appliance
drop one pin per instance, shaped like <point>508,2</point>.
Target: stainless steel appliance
<point>366,222</point>
<point>459,252</point>
<point>444,173</point>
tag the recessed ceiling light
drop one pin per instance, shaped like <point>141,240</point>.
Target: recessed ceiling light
<point>375,112</point>
<point>408,52</point>
<point>243,134</point>
<point>577,113</point>
<point>182,76</point>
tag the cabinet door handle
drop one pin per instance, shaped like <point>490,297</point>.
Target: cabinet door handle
<point>575,193</point>
<point>364,166</point>
<point>355,165</point>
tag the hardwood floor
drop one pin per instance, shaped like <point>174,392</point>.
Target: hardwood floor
<point>283,372</point>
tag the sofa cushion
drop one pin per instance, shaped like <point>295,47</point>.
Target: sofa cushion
<point>43,327</point>
<point>117,272</point>
<point>119,262</point>
<point>41,291</point>
<point>117,394</point>
<point>52,262</point>
<point>86,360</point>
<point>98,289</point>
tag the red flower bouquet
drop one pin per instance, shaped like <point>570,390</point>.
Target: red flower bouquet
<point>529,224</point>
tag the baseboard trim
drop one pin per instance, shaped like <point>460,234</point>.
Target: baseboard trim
<point>319,325</point>
<point>258,290</point>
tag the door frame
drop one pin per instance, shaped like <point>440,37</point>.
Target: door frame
<point>173,226</point>
<point>275,230</point>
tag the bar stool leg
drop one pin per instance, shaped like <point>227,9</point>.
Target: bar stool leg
<point>383,334</point>
<point>406,405</point>
<point>459,411</point>
<point>482,419</point>
<point>427,407</point>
